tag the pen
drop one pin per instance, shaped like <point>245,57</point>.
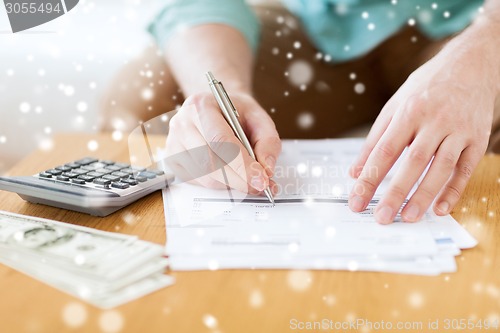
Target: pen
<point>231,116</point>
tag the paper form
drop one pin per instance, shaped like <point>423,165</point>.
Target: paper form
<point>311,225</point>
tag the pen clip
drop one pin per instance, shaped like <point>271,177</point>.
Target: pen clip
<point>229,100</point>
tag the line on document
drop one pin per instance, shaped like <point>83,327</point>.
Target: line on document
<point>275,243</point>
<point>287,200</point>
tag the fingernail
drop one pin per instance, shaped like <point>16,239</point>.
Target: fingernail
<point>384,215</point>
<point>258,183</point>
<point>443,206</point>
<point>357,203</point>
<point>271,163</point>
<point>412,213</point>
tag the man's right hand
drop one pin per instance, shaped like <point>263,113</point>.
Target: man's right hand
<point>200,123</point>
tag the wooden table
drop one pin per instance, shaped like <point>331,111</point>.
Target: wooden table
<point>257,301</point>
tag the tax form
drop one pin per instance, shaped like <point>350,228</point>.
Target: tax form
<point>311,226</point>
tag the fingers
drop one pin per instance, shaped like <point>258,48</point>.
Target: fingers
<point>267,150</point>
<point>418,156</point>
<point>263,136</point>
<point>217,133</point>
<point>439,172</point>
<point>382,157</point>
<point>203,164</point>
<point>206,167</point>
<point>191,159</point>
<point>274,187</point>
<point>377,130</point>
<point>455,186</point>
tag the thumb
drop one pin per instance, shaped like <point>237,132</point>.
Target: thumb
<point>263,136</point>
<point>267,150</point>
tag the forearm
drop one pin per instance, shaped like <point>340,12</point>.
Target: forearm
<point>492,10</point>
<point>215,47</point>
<point>477,47</point>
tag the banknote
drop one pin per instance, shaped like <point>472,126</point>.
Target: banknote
<point>103,268</point>
<point>57,241</point>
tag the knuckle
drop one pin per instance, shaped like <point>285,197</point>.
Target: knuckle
<point>448,160</point>
<point>386,151</point>
<point>219,138</point>
<point>465,170</point>
<point>453,190</point>
<point>219,142</point>
<point>426,193</point>
<point>418,155</point>
<point>397,192</point>
<point>367,184</point>
<point>415,107</point>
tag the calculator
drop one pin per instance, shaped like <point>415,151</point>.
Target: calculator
<point>89,185</point>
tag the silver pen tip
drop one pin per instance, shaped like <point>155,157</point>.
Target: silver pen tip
<point>210,77</point>
<point>267,191</point>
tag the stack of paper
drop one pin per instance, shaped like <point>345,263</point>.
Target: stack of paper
<point>102,268</point>
<point>311,226</point>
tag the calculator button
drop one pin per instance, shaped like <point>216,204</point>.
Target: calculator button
<point>149,175</point>
<point>103,182</point>
<point>86,160</point>
<point>111,177</point>
<point>45,175</point>
<point>89,167</point>
<point>103,171</point>
<point>131,182</point>
<point>73,165</point>
<point>156,172</point>
<point>78,181</point>
<point>140,179</point>
<point>120,174</point>
<point>54,172</point>
<point>120,185</point>
<point>86,178</point>
<point>136,168</point>
<point>95,174</point>
<point>64,168</point>
<point>80,171</point>
<point>98,165</point>
<point>122,165</point>
<point>113,167</point>
<point>70,174</point>
<point>127,171</point>
<point>107,162</point>
<point>62,178</point>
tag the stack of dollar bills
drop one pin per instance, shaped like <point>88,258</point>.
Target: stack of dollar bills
<point>102,268</point>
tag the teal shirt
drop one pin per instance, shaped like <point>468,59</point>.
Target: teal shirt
<point>343,29</point>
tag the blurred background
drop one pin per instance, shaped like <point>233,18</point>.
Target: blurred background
<point>52,76</point>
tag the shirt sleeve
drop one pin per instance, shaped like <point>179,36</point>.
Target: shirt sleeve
<point>181,14</point>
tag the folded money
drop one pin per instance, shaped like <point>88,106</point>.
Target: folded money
<point>103,268</point>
